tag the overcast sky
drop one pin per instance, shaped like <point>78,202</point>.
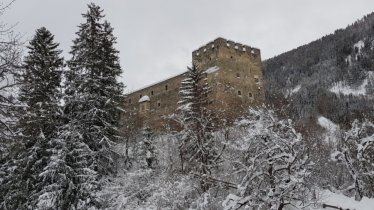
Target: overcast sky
<point>156,37</point>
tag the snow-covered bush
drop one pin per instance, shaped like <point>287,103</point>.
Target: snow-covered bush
<point>274,166</point>
<point>356,152</point>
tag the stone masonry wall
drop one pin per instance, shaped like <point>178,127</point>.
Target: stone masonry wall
<point>234,75</point>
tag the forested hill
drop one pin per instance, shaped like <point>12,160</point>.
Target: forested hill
<point>331,77</point>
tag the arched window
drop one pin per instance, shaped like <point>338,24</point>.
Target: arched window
<point>250,95</point>
<point>239,93</point>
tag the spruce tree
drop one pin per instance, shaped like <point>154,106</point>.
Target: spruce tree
<point>92,107</point>
<point>197,151</point>
<point>41,117</point>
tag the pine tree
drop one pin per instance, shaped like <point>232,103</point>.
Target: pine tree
<point>92,106</point>
<point>197,145</point>
<point>41,117</point>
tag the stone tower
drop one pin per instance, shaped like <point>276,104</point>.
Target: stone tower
<point>234,73</point>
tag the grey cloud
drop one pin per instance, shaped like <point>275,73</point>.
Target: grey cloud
<point>156,37</point>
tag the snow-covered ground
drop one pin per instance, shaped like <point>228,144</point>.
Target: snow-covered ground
<point>327,124</point>
<point>345,202</point>
<point>340,87</point>
<point>330,127</point>
<point>361,90</point>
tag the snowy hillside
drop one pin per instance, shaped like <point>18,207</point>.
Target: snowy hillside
<point>362,90</point>
<point>331,71</point>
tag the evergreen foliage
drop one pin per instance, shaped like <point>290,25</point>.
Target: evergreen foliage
<point>92,108</point>
<point>344,57</point>
<point>40,118</point>
<point>197,144</point>
<point>93,95</point>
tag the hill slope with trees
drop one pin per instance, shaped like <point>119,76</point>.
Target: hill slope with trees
<point>332,76</point>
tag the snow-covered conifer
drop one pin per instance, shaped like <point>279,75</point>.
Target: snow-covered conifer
<point>197,150</point>
<point>38,123</point>
<point>92,108</point>
<point>93,92</point>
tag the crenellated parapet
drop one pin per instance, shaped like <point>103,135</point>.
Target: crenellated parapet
<point>210,49</point>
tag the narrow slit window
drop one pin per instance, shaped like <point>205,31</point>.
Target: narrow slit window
<point>256,79</point>
<point>166,87</point>
<point>152,93</point>
<point>250,95</point>
<point>140,96</point>
<point>239,93</point>
<point>158,104</point>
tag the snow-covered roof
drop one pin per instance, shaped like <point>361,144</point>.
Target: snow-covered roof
<point>157,82</point>
<point>208,71</point>
<point>144,99</point>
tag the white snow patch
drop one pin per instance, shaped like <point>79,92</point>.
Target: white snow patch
<point>331,129</point>
<point>294,90</point>
<point>211,70</point>
<point>347,90</point>
<point>345,202</point>
<point>348,60</point>
<point>144,99</point>
<point>359,45</point>
<point>328,124</point>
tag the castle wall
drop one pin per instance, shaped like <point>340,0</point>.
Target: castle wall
<point>238,83</point>
<point>235,82</point>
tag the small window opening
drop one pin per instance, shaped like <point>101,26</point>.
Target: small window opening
<point>231,57</point>
<point>166,87</point>
<point>250,95</point>
<point>239,93</point>
<point>238,75</point>
<point>158,104</point>
<point>152,93</point>
<point>140,96</point>
<point>130,101</point>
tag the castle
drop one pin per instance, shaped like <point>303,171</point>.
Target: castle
<point>234,75</point>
